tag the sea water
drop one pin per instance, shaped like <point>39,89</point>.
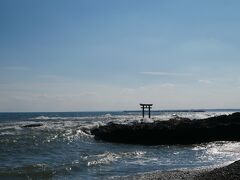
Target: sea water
<point>63,148</point>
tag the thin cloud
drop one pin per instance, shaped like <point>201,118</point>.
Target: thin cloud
<point>160,73</point>
<point>168,85</point>
<point>205,81</point>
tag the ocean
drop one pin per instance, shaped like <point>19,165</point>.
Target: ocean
<point>63,148</point>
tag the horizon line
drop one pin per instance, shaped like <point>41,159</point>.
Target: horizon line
<point>157,110</point>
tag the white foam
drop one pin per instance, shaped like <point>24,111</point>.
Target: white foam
<point>135,154</point>
<point>107,116</point>
<point>219,152</point>
<point>41,118</point>
<point>108,157</point>
<point>61,118</point>
<point>7,133</point>
<point>105,158</point>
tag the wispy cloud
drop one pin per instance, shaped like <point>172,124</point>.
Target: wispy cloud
<point>160,73</point>
<point>168,85</point>
<point>205,81</point>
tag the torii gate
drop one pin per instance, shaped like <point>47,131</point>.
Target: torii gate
<point>149,106</point>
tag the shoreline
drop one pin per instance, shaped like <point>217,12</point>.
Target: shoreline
<point>228,172</point>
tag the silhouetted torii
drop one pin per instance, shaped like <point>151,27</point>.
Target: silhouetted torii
<point>149,106</point>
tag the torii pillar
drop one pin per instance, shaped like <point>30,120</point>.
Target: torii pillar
<point>148,106</point>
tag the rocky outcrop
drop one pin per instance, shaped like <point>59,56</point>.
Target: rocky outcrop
<point>32,125</point>
<point>174,131</point>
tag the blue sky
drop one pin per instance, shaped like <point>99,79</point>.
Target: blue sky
<point>112,55</point>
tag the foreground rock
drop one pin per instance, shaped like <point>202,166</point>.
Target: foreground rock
<point>230,172</point>
<point>174,131</point>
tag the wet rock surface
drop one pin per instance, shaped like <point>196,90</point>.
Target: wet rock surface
<point>173,131</point>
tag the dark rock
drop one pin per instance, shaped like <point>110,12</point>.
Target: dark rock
<point>32,125</point>
<point>174,131</point>
<point>230,172</point>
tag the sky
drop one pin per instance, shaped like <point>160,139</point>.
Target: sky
<point>109,55</point>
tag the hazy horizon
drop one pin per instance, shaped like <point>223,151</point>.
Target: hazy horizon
<point>112,55</point>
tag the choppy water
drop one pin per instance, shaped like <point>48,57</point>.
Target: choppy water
<point>62,148</point>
